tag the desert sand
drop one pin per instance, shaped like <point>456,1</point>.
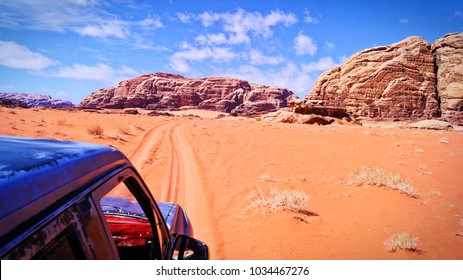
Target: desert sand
<point>215,167</point>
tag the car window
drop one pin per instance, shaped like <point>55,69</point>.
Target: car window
<point>64,246</point>
<point>60,237</point>
<point>131,218</point>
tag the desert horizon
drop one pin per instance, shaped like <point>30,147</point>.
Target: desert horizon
<point>267,190</point>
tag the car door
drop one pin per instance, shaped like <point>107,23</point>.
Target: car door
<point>129,215</point>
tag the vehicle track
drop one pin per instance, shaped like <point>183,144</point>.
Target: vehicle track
<point>142,155</point>
<point>183,182</point>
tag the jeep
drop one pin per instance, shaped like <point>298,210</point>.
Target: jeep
<point>71,200</point>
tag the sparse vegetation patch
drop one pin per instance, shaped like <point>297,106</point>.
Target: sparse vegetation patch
<point>62,122</point>
<point>377,176</point>
<point>402,240</point>
<point>284,199</point>
<point>95,130</point>
<point>266,177</point>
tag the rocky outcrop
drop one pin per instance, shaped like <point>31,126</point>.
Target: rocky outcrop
<point>34,100</point>
<point>287,115</point>
<point>448,53</point>
<point>12,103</point>
<point>162,91</point>
<point>432,124</point>
<point>395,81</point>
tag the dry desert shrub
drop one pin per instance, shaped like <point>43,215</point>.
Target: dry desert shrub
<point>274,199</point>
<point>402,240</point>
<point>95,130</point>
<point>124,130</point>
<point>266,177</point>
<point>61,121</point>
<point>377,176</point>
<point>116,136</point>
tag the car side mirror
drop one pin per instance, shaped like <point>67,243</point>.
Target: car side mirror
<point>188,248</point>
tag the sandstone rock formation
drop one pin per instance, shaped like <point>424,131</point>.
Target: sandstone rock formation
<point>432,124</point>
<point>287,115</point>
<point>448,52</point>
<point>396,81</point>
<point>12,103</point>
<point>161,91</point>
<point>35,100</point>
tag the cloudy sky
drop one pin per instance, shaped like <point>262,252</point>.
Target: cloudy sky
<point>70,48</point>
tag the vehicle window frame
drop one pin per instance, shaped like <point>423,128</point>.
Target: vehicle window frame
<point>138,189</point>
<point>68,237</point>
<point>65,219</point>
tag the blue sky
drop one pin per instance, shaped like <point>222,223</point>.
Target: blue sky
<point>70,48</point>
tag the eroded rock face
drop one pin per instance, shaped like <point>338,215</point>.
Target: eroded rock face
<point>395,81</point>
<point>162,91</point>
<point>448,52</point>
<point>35,100</point>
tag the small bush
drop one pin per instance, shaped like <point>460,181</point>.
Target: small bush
<point>402,240</point>
<point>61,122</point>
<point>377,176</point>
<point>266,177</point>
<point>95,130</point>
<point>284,199</point>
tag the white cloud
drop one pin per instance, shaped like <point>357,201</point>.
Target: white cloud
<point>288,76</point>
<point>99,72</point>
<point>184,18</point>
<point>343,59</point>
<point>330,45</point>
<point>17,56</point>
<point>150,23</point>
<point>322,64</point>
<point>47,15</point>
<point>403,21</point>
<point>305,45</point>
<point>208,19</point>
<point>278,17</point>
<point>110,29</point>
<point>256,57</point>
<point>240,25</point>
<point>83,2</point>
<point>311,19</point>
<point>84,17</point>
<point>211,39</point>
<point>179,61</point>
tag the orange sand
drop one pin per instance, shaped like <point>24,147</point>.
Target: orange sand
<point>213,166</point>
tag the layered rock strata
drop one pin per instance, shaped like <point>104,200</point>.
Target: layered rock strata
<point>448,54</point>
<point>162,91</point>
<point>33,100</point>
<point>396,81</point>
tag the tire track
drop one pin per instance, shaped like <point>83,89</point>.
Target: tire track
<point>183,181</point>
<point>141,156</point>
<point>184,184</point>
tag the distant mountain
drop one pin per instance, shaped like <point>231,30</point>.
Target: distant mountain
<point>31,100</point>
<point>163,91</point>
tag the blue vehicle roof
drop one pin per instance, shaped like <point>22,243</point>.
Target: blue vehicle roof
<point>37,173</point>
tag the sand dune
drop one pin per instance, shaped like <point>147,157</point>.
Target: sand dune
<point>214,168</point>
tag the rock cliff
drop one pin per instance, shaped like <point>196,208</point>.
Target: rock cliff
<point>32,100</point>
<point>162,91</point>
<point>448,54</point>
<point>395,81</point>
